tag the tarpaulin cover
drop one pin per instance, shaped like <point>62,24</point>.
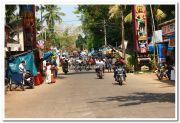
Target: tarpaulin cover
<point>47,55</point>
<point>16,77</point>
<point>29,64</point>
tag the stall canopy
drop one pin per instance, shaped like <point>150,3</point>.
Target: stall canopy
<point>13,66</point>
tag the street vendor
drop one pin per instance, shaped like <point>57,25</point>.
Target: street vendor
<point>22,67</point>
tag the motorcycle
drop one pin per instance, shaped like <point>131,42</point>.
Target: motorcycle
<point>161,72</point>
<point>169,71</point>
<point>120,75</point>
<point>99,71</point>
<point>28,79</point>
<point>65,69</point>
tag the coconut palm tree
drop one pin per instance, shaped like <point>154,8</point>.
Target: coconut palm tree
<point>158,13</point>
<point>52,15</point>
<point>118,10</point>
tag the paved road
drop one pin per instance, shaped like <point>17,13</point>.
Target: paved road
<point>84,96</point>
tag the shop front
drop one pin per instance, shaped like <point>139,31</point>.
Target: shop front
<point>166,48</point>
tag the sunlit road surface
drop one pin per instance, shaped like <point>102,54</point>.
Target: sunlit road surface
<point>83,95</point>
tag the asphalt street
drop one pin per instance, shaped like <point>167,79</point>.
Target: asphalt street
<point>83,95</point>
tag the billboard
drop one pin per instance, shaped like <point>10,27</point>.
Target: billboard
<point>140,28</point>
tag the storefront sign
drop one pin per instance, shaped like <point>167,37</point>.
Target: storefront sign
<point>168,28</point>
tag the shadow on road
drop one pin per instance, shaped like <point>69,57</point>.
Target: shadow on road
<point>60,77</point>
<point>170,82</point>
<point>139,98</point>
<point>117,83</point>
<point>81,72</point>
<point>164,83</point>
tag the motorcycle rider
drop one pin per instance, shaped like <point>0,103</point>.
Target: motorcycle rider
<point>65,64</point>
<point>99,64</point>
<point>119,63</point>
<point>116,65</point>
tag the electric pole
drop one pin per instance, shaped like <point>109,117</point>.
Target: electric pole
<point>122,33</point>
<point>105,41</point>
<point>153,27</point>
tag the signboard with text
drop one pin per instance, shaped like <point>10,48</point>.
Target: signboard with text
<point>168,28</point>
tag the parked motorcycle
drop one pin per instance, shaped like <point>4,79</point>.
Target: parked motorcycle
<point>169,71</point>
<point>28,79</point>
<point>99,71</point>
<point>162,72</point>
<point>120,75</point>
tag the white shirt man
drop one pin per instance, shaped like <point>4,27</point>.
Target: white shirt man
<point>100,63</point>
<point>79,61</point>
<point>22,67</point>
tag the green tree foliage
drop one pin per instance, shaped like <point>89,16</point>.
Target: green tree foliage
<point>12,19</point>
<point>80,42</point>
<point>10,13</point>
<point>92,18</point>
<point>52,16</point>
<point>93,26</point>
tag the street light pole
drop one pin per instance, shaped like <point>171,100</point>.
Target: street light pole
<point>105,41</point>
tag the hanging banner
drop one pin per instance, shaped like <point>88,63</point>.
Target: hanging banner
<point>162,50</point>
<point>140,28</point>
<point>158,36</point>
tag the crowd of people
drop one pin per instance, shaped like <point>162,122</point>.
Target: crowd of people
<point>51,67</point>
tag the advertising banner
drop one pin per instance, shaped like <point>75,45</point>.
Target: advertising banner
<point>162,51</point>
<point>140,28</point>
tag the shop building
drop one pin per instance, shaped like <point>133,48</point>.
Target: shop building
<point>168,41</point>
